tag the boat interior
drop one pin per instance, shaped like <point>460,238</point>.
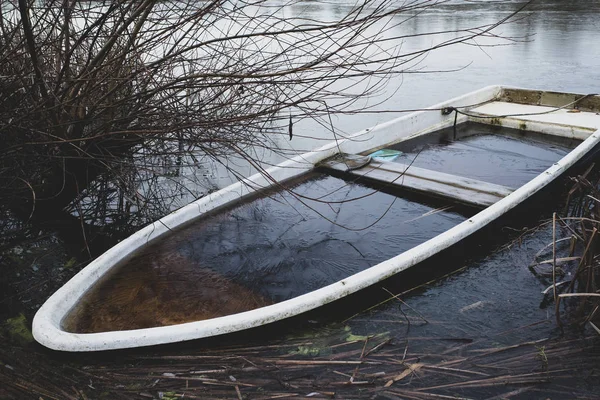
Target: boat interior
<point>349,213</point>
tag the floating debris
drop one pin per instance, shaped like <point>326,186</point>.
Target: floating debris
<point>386,155</point>
<point>475,306</point>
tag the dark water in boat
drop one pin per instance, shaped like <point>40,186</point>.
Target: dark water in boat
<point>294,241</point>
<point>504,156</point>
<point>265,251</point>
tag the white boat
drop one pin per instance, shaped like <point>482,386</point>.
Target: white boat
<point>559,117</point>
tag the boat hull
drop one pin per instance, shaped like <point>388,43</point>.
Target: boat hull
<point>47,328</point>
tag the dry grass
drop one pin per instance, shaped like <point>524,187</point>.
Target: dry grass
<point>372,367</point>
<point>576,268</point>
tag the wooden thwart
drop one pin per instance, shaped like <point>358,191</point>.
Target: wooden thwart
<point>464,190</point>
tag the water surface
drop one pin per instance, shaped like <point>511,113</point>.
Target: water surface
<point>503,156</point>
<point>264,251</point>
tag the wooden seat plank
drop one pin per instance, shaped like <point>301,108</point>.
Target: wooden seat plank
<point>458,188</point>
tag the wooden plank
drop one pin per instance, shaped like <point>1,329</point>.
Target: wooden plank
<point>464,190</point>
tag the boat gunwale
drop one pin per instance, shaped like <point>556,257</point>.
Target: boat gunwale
<point>47,328</point>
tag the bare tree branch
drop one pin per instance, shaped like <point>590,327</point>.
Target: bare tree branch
<point>107,107</point>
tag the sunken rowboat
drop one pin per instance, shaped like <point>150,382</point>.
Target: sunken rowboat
<point>269,248</point>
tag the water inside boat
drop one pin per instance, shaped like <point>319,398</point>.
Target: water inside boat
<point>317,231</point>
<point>489,153</point>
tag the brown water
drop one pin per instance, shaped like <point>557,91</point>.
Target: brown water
<point>294,241</point>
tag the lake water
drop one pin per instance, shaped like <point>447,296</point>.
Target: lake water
<point>554,45</point>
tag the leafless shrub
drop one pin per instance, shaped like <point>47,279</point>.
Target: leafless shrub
<point>103,105</point>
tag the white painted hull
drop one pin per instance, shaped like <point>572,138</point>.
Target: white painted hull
<point>47,328</point>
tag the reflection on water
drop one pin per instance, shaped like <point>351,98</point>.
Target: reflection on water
<point>267,250</point>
